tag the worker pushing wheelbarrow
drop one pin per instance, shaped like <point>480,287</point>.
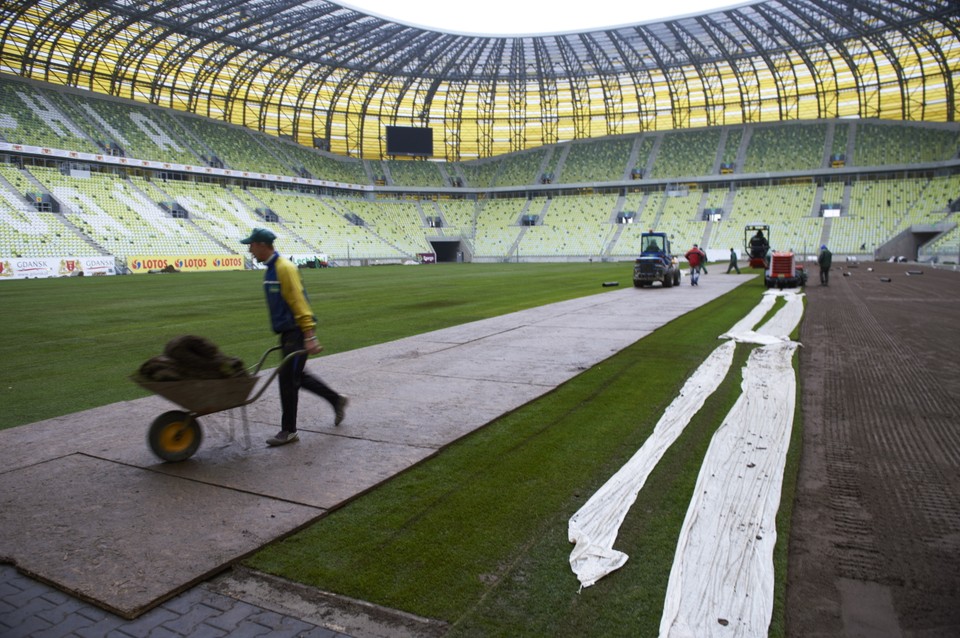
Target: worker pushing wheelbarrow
<point>214,384</point>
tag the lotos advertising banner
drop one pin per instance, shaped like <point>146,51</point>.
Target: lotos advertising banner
<point>44,267</point>
<point>143,264</point>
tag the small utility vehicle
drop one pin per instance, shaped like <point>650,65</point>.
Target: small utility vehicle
<point>655,262</point>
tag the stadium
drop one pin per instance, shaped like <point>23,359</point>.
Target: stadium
<point>143,138</point>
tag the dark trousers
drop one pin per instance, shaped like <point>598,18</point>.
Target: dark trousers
<point>824,276</point>
<point>292,377</point>
<point>733,265</point>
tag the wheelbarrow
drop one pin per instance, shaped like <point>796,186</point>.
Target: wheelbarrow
<point>176,435</point>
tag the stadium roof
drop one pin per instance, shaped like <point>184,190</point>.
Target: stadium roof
<point>323,73</point>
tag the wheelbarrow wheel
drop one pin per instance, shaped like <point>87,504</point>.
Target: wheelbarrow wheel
<point>174,436</point>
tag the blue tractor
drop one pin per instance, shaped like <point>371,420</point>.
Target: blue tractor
<point>655,262</point>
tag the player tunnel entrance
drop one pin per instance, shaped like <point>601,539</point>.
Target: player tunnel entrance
<point>450,251</point>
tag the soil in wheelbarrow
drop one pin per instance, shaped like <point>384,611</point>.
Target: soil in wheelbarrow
<point>875,546</point>
<point>204,396</point>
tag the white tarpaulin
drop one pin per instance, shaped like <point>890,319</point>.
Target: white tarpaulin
<point>721,583</point>
<point>725,566</point>
<point>594,527</point>
<point>779,327</point>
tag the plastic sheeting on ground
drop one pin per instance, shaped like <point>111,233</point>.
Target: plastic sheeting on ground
<point>721,583</point>
<point>594,527</point>
<point>726,567</point>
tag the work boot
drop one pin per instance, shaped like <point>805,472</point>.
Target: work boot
<point>282,438</point>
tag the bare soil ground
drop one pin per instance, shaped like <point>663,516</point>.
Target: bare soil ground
<point>875,547</point>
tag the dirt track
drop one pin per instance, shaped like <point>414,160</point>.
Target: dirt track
<point>875,548</point>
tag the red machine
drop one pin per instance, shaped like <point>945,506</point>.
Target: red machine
<point>784,271</point>
<point>756,244</point>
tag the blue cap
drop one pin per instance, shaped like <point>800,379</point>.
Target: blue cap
<point>823,247</point>
<point>259,235</point>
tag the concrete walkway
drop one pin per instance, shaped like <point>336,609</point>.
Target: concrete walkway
<point>86,507</point>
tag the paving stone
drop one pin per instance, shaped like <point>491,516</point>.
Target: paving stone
<point>232,618</point>
<point>7,589</point>
<point>54,596</point>
<point>185,601</point>
<point>215,600</point>
<point>289,627</point>
<point>247,629</point>
<point>26,611</point>
<point>66,607</point>
<point>95,613</point>
<point>143,626</point>
<point>197,613</point>
<point>188,622</point>
<point>68,626</point>
<point>99,628</point>
<point>267,618</point>
<point>5,608</point>
<point>158,632</point>
<point>29,626</point>
<point>23,596</point>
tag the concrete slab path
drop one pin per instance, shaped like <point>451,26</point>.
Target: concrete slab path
<point>86,507</point>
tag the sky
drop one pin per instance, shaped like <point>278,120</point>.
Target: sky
<point>512,17</point>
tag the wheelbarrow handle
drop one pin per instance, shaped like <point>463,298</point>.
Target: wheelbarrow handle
<point>255,369</point>
<point>274,373</point>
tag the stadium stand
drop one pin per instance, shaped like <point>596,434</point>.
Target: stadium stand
<point>359,243</point>
<point>120,219</point>
<point>28,117</point>
<point>481,173</point>
<point>322,223</point>
<point>213,209</point>
<point>841,140</point>
<point>946,243</point>
<point>459,217</point>
<point>323,166</point>
<point>731,148</point>
<point>574,226</point>
<point>935,200</point>
<point>785,147</point>
<point>27,232</point>
<point>879,210</point>
<point>569,225</point>
<point>413,173</point>
<point>398,224</point>
<point>644,207</point>
<point>686,153</point>
<point>498,228</point>
<point>120,129</point>
<point>788,209</point>
<point>596,161</point>
<point>643,156</point>
<point>881,144</point>
<point>233,147</point>
<point>520,169</point>
<point>679,217</point>
<point>832,122</point>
